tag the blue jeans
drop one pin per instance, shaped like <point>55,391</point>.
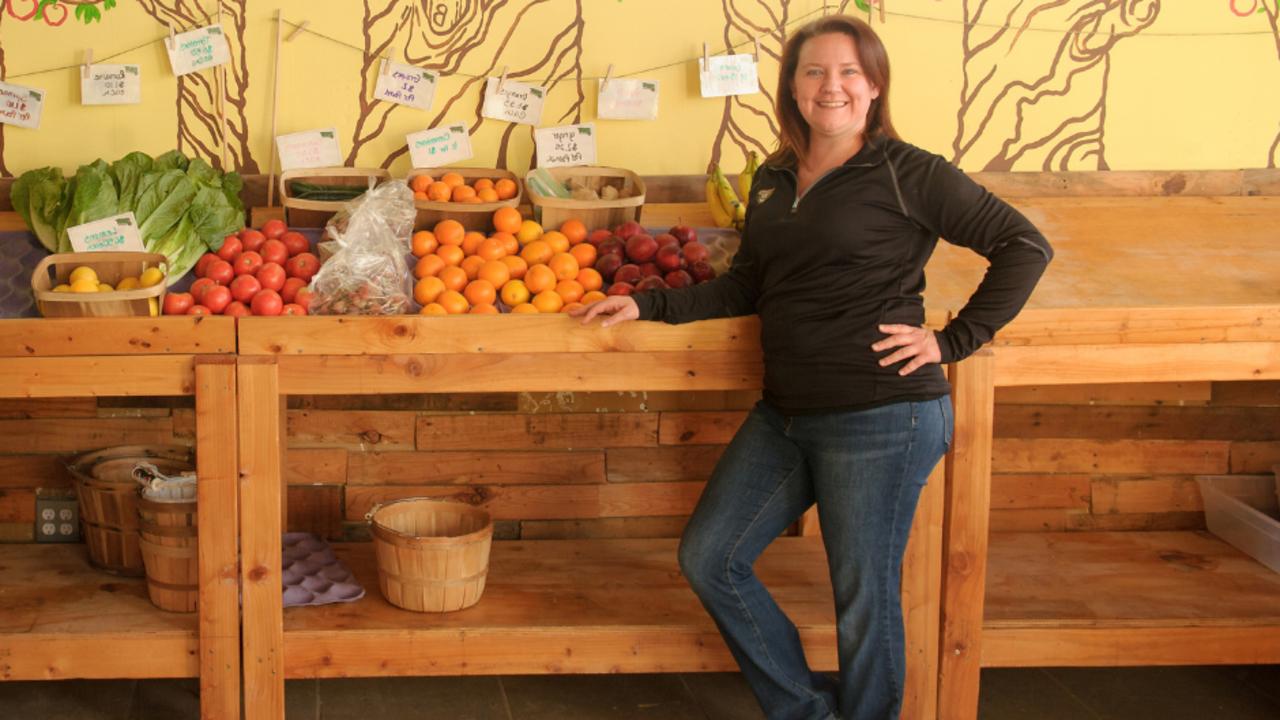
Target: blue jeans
<point>865,471</point>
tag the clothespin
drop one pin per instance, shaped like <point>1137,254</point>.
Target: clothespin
<point>88,63</point>
<point>502,80</point>
<point>386,60</point>
<point>173,36</point>
<point>608,73</point>
<point>297,30</point>
<point>756,40</point>
<point>881,5</point>
<point>706,58</point>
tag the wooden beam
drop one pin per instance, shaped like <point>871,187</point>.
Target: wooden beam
<point>1125,326</point>
<point>50,337</point>
<point>1073,364</point>
<point>1174,644</point>
<point>96,376</point>
<point>922,600</point>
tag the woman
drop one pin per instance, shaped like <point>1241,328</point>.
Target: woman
<point>856,412</point>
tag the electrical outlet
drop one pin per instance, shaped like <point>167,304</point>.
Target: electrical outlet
<point>57,520</point>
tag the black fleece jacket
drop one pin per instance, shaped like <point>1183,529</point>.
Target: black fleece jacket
<point>825,269</point>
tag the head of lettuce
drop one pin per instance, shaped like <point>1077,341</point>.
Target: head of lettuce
<point>183,206</point>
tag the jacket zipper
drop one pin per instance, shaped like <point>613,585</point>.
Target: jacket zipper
<point>795,204</point>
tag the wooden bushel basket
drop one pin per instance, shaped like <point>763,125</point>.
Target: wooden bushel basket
<point>167,535</point>
<point>111,267</point>
<point>473,216</point>
<point>551,212</point>
<point>433,555</point>
<point>300,212</point>
<point>108,497</point>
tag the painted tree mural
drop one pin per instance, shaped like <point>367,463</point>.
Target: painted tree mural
<point>1034,100</point>
<point>477,37</point>
<point>200,129</point>
<point>1273,18</point>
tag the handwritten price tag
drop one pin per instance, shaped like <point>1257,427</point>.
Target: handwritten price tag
<point>628,100</point>
<point>566,145</point>
<point>517,102</point>
<point>118,233</point>
<point>309,149</point>
<point>729,75</point>
<point>198,49</point>
<point>111,85</point>
<point>20,105</point>
<point>406,85</point>
<point>438,147</point>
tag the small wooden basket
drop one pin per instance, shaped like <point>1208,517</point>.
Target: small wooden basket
<point>315,213</point>
<point>168,537</point>
<point>433,555</point>
<point>551,212</point>
<point>111,267</point>
<point>473,216</point>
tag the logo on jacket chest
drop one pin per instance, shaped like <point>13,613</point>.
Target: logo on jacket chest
<point>763,194</point>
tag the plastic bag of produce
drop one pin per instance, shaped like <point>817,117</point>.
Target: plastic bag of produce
<point>368,274</point>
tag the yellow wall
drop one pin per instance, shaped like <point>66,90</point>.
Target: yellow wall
<point>1145,84</point>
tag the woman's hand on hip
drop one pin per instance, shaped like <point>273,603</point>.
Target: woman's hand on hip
<point>614,309</point>
<point>916,343</point>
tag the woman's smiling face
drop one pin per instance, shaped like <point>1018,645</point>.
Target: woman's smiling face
<point>831,91</point>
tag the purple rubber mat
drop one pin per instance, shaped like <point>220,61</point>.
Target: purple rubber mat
<point>313,575</point>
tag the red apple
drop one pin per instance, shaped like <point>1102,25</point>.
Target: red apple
<point>668,257</point>
<point>653,282</point>
<point>665,239</point>
<point>649,270</point>
<point>641,247</point>
<point>678,279</point>
<point>627,229</point>
<point>701,271</point>
<point>620,288</point>
<point>607,265</point>
<point>612,246</point>
<point>684,234</point>
<point>629,273</point>
<point>598,236</point>
<point>696,252</point>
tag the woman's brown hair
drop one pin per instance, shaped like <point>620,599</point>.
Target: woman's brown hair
<point>793,137</point>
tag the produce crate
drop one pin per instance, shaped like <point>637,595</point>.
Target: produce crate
<point>299,212</point>
<point>473,216</point>
<point>551,212</point>
<point>111,267</point>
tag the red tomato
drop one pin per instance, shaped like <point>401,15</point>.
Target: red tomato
<point>199,310</point>
<point>199,286</point>
<point>271,275</point>
<point>220,272</point>
<point>178,303</point>
<point>296,242</point>
<point>293,309</point>
<point>203,263</point>
<point>273,229</point>
<point>274,251</point>
<point>231,248</point>
<point>236,309</point>
<point>291,288</point>
<point>303,265</point>
<point>244,287</point>
<point>266,302</point>
<point>304,297</point>
<point>251,240</point>
<point>216,299</point>
<point>248,263</point>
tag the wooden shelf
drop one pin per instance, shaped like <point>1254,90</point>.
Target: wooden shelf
<point>1127,598</point>
<point>556,606</point>
<point>64,619</point>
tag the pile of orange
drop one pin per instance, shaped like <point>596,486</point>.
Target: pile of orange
<point>452,187</point>
<point>529,270</point>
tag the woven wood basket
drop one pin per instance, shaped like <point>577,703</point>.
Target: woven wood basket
<point>167,535</point>
<point>433,555</point>
<point>108,497</point>
<point>551,212</point>
<point>473,216</point>
<point>315,213</point>
<point>111,267</point>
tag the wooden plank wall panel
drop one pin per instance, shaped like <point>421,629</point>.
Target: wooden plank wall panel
<point>475,467</point>
<point>315,466</point>
<point>316,509</point>
<point>550,431</point>
<point>72,435</point>
<point>542,502</point>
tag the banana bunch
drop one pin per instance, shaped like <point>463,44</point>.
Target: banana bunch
<point>727,210</point>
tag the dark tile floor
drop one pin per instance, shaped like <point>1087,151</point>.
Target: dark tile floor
<point>1182,693</point>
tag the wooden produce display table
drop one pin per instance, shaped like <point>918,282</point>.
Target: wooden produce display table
<point>63,619</point>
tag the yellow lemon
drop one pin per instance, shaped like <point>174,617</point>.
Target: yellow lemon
<point>83,271</point>
<point>84,284</point>
<point>528,232</point>
<point>129,283</point>
<point>105,287</point>
<point>62,288</point>
<point>150,277</point>
<point>154,306</point>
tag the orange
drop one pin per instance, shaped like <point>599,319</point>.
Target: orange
<point>471,241</point>
<point>507,220</point>
<point>482,184</point>
<point>564,265</point>
<point>453,179</point>
<point>426,290</point>
<point>433,309</point>
<point>569,290</point>
<point>471,265</point>
<point>471,200</point>
<point>451,254</point>
<point>506,188</point>
<point>424,242</point>
<point>556,240</point>
<point>480,292</point>
<point>420,196</point>
<point>584,253</point>
<point>524,308</point>
<point>514,293</point>
<point>492,248</point>
<point>463,193</point>
<point>509,242</point>
<point>528,232</point>
<point>428,266</point>
<point>537,252</point>
<point>575,230</point>
<point>590,279</point>
<point>495,271</point>
<point>516,264</point>
<point>548,301</point>
<point>439,192</point>
<point>454,278</point>
<point>539,278</point>
<point>487,195</point>
<point>594,296</point>
<point>453,302</point>
<point>449,232</point>
<point>484,309</point>
<point>570,307</point>
<point>420,183</point>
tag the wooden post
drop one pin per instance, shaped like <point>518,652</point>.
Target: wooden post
<point>260,504</point>
<point>965,526</point>
<point>217,519</point>
<point>922,600</point>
